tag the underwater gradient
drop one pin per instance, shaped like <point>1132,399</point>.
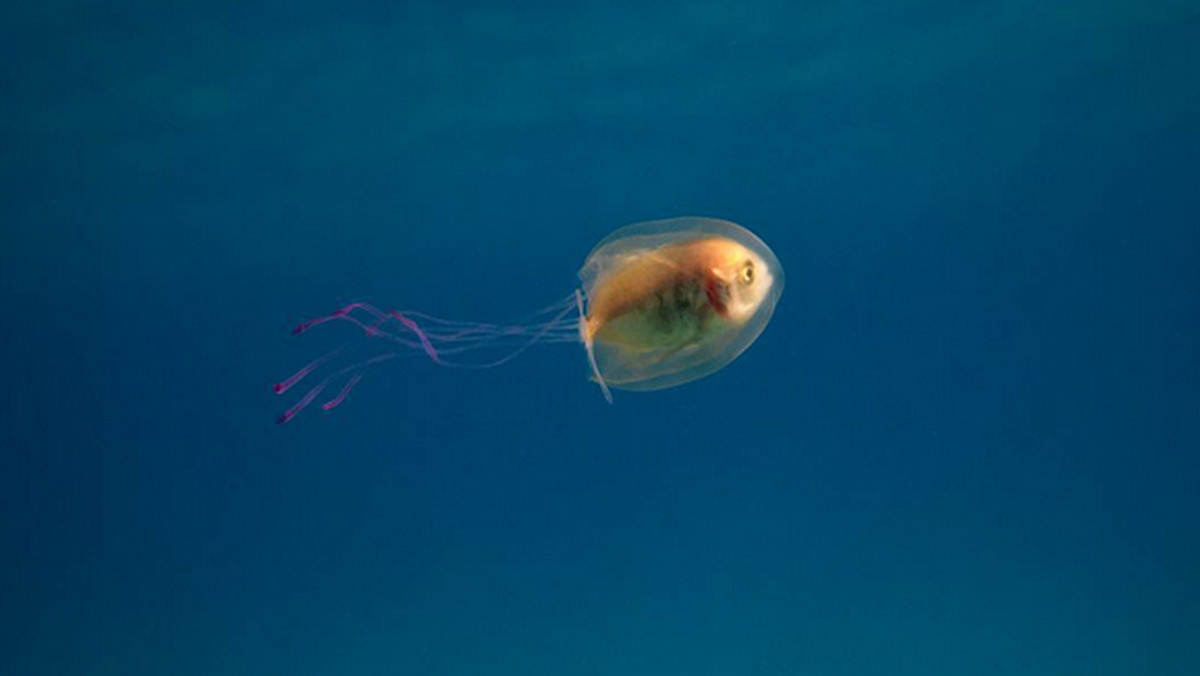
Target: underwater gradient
<point>966,444</point>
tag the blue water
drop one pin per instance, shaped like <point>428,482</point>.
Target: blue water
<point>966,444</point>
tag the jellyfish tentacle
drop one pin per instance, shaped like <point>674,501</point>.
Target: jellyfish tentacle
<point>336,401</point>
<point>435,338</point>
<point>425,344</point>
<point>585,335</point>
<point>534,339</point>
<point>290,381</point>
<point>316,390</point>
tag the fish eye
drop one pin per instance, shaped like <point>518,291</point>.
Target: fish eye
<point>747,273</point>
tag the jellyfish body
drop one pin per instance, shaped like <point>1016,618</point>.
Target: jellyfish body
<point>663,303</point>
<point>675,300</point>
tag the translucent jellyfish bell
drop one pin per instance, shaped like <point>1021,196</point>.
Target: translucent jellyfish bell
<point>674,300</point>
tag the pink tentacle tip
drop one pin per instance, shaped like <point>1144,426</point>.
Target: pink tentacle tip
<point>278,388</point>
<point>284,417</point>
<point>301,328</point>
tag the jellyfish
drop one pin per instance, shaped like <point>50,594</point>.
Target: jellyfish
<point>661,303</point>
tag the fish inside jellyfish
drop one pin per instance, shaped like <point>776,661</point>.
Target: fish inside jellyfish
<point>661,303</point>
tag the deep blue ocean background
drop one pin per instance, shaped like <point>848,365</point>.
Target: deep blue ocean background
<point>967,443</point>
